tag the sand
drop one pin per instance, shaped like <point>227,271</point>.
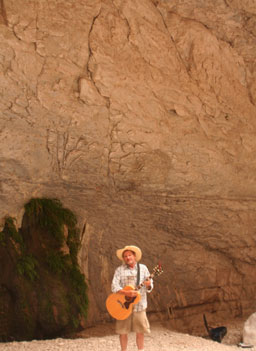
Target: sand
<point>102,337</point>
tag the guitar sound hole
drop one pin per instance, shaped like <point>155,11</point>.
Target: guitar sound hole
<point>128,298</point>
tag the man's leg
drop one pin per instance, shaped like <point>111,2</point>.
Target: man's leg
<point>140,326</point>
<point>123,341</point>
<point>140,341</point>
<point>123,328</point>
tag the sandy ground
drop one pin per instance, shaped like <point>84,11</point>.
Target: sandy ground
<point>102,337</point>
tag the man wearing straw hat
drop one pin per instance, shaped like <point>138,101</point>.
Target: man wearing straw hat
<point>127,274</point>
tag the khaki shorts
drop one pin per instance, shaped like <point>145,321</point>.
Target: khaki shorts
<point>137,322</point>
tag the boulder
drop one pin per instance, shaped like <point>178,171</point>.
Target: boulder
<point>249,331</point>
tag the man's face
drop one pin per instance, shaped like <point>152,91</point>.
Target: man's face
<point>129,258</point>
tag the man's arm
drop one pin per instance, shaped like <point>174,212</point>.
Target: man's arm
<point>116,282</point>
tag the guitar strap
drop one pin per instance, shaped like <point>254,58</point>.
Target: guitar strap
<point>138,274</point>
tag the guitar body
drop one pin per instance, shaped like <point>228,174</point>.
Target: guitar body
<point>120,306</point>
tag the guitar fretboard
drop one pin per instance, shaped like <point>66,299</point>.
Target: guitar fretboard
<point>156,271</point>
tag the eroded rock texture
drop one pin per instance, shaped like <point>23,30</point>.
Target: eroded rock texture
<point>139,115</point>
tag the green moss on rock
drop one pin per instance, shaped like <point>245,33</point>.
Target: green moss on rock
<point>42,281</point>
<point>10,231</point>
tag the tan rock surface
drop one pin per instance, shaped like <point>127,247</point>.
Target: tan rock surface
<point>140,116</point>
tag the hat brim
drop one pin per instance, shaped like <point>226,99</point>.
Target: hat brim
<point>135,249</point>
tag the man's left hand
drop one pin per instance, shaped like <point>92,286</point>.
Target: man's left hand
<point>147,283</point>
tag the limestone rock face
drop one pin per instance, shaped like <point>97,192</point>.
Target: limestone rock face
<point>140,117</point>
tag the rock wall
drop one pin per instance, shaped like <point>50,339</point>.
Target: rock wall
<point>139,115</point>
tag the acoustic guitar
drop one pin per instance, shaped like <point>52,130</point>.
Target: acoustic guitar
<point>120,306</point>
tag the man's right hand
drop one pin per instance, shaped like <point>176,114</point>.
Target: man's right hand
<point>129,293</point>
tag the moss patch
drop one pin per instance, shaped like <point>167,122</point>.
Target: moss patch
<point>42,280</point>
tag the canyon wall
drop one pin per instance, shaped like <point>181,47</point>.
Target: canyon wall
<point>139,115</point>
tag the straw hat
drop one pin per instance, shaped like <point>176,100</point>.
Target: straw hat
<point>135,249</point>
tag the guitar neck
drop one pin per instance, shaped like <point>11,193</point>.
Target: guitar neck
<point>142,284</point>
<point>156,271</point>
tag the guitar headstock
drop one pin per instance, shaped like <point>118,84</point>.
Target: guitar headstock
<point>157,270</point>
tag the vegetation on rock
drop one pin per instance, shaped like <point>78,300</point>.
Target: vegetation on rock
<point>42,291</point>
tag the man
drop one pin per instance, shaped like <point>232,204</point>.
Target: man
<point>126,274</point>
